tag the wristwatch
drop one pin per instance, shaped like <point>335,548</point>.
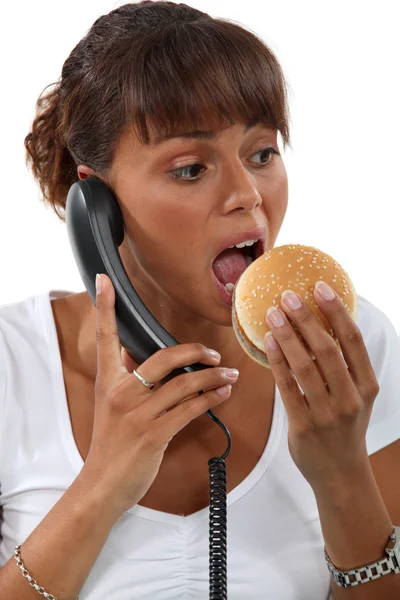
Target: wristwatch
<point>372,571</point>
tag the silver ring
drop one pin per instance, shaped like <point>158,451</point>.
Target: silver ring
<point>146,383</point>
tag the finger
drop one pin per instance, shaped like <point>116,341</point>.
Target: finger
<point>178,417</point>
<point>127,360</point>
<point>298,359</point>
<point>164,361</point>
<point>296,405</point>
<point>349,335</point>
<point>332,366</point>
<point>107,340</point>
<point>180,388</point>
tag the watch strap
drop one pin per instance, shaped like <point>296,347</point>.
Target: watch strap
<point>389,564</point>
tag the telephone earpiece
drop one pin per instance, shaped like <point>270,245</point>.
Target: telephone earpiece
<point>96,230</point>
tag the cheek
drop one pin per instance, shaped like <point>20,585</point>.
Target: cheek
<point>161,240</point>
<point>275,201</point>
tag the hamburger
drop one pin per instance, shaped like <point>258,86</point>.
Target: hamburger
<point>260,286</point>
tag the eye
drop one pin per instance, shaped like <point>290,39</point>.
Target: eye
<point>269,151</point>
<point>181,173</point>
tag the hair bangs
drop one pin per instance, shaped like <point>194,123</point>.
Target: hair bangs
<point>204,75</point>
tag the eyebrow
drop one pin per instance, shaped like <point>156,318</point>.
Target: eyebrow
<point>198,135</point>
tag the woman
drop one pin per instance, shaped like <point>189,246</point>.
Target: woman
<point>104,482</point>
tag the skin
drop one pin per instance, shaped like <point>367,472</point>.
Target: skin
<point>173,231</point>
<point>328,424</point>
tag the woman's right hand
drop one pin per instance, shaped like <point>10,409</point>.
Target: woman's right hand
<point>134,425</point>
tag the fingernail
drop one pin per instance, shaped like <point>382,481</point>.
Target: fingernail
<point>324,290</point>
<point>231,373</point>
<point>275,316</point>
<point>271,341</point>
<point>291,299</point>
<point>224,390</point>
<point>99,284</point>
<point>214,354</point>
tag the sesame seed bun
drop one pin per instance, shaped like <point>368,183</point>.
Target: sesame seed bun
<point>295,267</point>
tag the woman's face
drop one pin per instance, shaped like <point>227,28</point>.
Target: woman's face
<point>184,200</point>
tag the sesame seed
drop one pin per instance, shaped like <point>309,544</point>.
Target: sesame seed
<point>289,266</point>
<point>260,323</point>
<point>262,296</point>
<point>301,267</point>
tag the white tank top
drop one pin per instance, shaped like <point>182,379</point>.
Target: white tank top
<point>275,543</point>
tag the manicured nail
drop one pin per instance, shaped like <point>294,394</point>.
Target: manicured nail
<point>324,290</point>
<point>231,373</point>
<point>291,299</point>
<point>271,341</point>
<point>275,316</point>
<point>214,354</point>
<point>99,284</point>
<point>224,390</point>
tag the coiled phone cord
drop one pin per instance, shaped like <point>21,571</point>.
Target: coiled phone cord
<point>218,519</point>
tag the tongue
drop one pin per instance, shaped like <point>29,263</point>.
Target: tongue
<point>229,265</point>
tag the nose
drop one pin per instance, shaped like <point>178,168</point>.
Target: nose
<point>241,192</point>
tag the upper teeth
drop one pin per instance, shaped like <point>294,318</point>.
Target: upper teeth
<point>242,244</point>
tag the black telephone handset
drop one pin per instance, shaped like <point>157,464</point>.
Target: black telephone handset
<point>96,230</point>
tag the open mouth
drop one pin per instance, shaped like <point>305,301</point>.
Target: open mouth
<point>232,262</point>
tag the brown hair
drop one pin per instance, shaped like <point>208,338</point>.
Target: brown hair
<point>161,65</point>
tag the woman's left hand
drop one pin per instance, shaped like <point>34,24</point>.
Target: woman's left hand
<point>328,423</point>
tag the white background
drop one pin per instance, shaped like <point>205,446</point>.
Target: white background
<point>341,61</point>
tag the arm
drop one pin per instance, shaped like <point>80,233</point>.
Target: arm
<point>62,549</point>
<point>328,424</point>
<point>356,526</point>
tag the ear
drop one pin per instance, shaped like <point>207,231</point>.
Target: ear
<point>84,171</point>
